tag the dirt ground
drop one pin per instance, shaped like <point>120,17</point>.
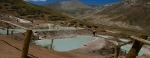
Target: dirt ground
<point>11,48</point>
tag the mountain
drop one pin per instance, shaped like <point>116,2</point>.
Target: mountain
<point>130,14</point>
<point>28,11</point>
<point>67,5</point>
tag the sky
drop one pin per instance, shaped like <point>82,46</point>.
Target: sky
<point>89,2</point>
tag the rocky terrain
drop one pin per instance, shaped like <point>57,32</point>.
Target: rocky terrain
<point>131,14</point>
<point>128,14</point>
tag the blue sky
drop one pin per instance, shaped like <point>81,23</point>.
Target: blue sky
<point>89,2</point>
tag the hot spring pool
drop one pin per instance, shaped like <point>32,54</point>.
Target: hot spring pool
<point>65,44</point>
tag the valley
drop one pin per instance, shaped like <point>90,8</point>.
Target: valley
<point>65,29</point>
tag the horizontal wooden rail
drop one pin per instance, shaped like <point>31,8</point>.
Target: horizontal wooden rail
<point>141,40</point>
<point>15,25</point>
<point>125,43</point>
<point>119,45</point>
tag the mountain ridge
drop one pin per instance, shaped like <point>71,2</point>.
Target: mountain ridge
<point>28,11</point>
<point>130,14</point>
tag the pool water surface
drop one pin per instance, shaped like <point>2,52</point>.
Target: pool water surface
<point>65,44</point>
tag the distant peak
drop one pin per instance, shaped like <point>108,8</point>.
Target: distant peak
<point>69,5</point>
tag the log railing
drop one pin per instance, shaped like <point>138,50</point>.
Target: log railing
<point>26,38</point>
<point>138,43</point>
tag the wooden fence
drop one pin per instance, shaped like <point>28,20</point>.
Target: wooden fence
<point>138,43</point>
<point>26,38</point>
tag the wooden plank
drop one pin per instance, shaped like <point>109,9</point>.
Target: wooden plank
<point>51,47</point>
<point>125,43</point>
<point>15,25</point>
<point>117,52</point>
<point>119,45</point>
<point>7,30</point>
<point>141,40</point>
<point>12,32</point>
<point>26,43</point>
<point>136,47</point>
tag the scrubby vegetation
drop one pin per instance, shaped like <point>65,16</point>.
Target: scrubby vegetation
<point>56,18</point>
<point>136,15</point>
<point>28,10</point>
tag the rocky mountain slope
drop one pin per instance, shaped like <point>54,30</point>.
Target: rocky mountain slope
<point>131,14</point>
<point>28,11</point>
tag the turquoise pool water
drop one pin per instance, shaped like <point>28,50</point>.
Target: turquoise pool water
<point>128,47</point>
<point>3,31</point>
<point>65,44</point>
<point>15,31</point>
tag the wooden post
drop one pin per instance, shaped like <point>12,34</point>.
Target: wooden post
<point>26,43</point>
<point>7,30</point>
<point>12,32</point>
<point>117,50</point>
<point>125,52</point>
<point>51,47</point>
<point>136,47</point>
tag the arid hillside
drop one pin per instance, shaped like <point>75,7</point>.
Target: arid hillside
<point>129,14</point>
<point>28,11</point>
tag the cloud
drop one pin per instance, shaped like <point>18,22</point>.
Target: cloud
<point>35,0</point>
